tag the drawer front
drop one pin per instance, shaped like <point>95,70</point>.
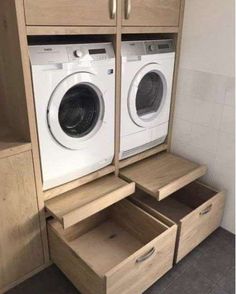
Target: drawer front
<point>151,12</point>
<point>149,264</point>
<point>70,12</point>
<point>195,227</point>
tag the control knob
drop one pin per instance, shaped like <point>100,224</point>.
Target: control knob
<point>78,53</point>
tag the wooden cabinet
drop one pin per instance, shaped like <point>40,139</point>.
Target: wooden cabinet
<point>70,12</point>
<point>20,238</point>
<point>151,12</point>
<point>196,208</point>
<point>154,13</point>
<point>121,249</point>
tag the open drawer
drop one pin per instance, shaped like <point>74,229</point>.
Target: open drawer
<point>78,204</point>
<point>121,249</point>
<point>162,174</point>
<point>196,208</point>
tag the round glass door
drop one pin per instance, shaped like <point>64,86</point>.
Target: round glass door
<point>79,111</point>
<point>76,110</point>
<point>147,96</point>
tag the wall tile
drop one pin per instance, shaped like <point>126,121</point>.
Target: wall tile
<point>230,92</point>
<point>228,120</point>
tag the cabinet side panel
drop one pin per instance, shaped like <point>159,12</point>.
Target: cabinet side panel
<point>21,248</point>
<point>13,102</point>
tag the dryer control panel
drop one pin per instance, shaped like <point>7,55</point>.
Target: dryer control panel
<point>51,54</point>
<point>138,48</point>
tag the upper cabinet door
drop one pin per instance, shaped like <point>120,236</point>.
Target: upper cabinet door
<point>151,12</point>
<point>70,12</point>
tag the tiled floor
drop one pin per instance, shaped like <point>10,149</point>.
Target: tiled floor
<point>209,269</point>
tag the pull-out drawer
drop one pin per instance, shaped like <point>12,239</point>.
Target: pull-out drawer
<point>70,12</point>
<point>197,209</point>
<point>80,203</point>
<point>163,174</point>
<point>121,249</point>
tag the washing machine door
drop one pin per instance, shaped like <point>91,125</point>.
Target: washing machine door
<point>75,110</point>
<point>147,95</point>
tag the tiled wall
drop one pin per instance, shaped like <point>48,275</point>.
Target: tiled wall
<point>204,117</point>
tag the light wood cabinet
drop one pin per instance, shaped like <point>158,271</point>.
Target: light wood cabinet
<point>151,13</point>
<point>20,237</point>
<point>70,12</point>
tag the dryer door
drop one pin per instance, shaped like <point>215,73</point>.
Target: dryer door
<point>76,110</point>
<point>147,95</point>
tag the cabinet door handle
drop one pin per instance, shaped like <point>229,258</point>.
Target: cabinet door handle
<point>206,210</point>
<point>113,8</point>
<point>146,256</point>
<point>128,9</point>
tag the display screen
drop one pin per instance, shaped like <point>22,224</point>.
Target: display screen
<point>163,46</point>
<point>97,51</point>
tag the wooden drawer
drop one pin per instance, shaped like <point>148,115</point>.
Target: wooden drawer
<point>163,174</point>
<point>121,249</point>
<point>197,209</point>
<point>82,202</point>
<point>70,12</point>
<point>151,12</point>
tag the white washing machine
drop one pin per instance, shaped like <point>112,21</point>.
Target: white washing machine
<point>147,74</point>
<point>74,101</point>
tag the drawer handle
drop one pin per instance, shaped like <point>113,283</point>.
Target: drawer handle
<point>146,256</point>
<point>128,9</point>
<point>113,9</point>
<point>206,210</point>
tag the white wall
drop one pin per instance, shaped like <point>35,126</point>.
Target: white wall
<point>204,117</point>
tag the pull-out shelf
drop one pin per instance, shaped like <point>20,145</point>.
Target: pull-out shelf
<point>162,174</point>
<point>196,208</point>
<point>121,249</point>
<point>80,203</point>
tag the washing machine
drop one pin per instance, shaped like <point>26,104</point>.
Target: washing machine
<point>147,74</point>
<point>74,101</point>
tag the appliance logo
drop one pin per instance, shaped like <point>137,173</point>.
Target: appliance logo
<point>47,49</point>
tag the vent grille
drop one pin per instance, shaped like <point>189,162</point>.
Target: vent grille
<point>142,148</point>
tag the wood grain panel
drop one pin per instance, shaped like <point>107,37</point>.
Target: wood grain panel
<point>80,203</point>
<point>69,12</point>
<point>152,13</point>
<point>163,174</point>
<point>21,249</point>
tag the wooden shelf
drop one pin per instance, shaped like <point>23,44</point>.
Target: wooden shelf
<point>162,175</point>
<point>67,30</point>
<point>10,144</point>
<point>78,204</point>
<point>149,30</point>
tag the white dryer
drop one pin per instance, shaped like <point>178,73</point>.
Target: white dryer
<point>74,101</point>
<point>147,74</point>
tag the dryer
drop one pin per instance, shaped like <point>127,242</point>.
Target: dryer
<point>74,101</point>
<point>147,74</point>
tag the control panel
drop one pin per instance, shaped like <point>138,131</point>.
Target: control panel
<point>46,54</point>
<point>138,48</point>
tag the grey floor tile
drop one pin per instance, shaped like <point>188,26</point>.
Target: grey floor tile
<point>49,281</point>
<point>228,281</point>
<point>218,290</point>
<point>160,286</point>
<point>192,281</point>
